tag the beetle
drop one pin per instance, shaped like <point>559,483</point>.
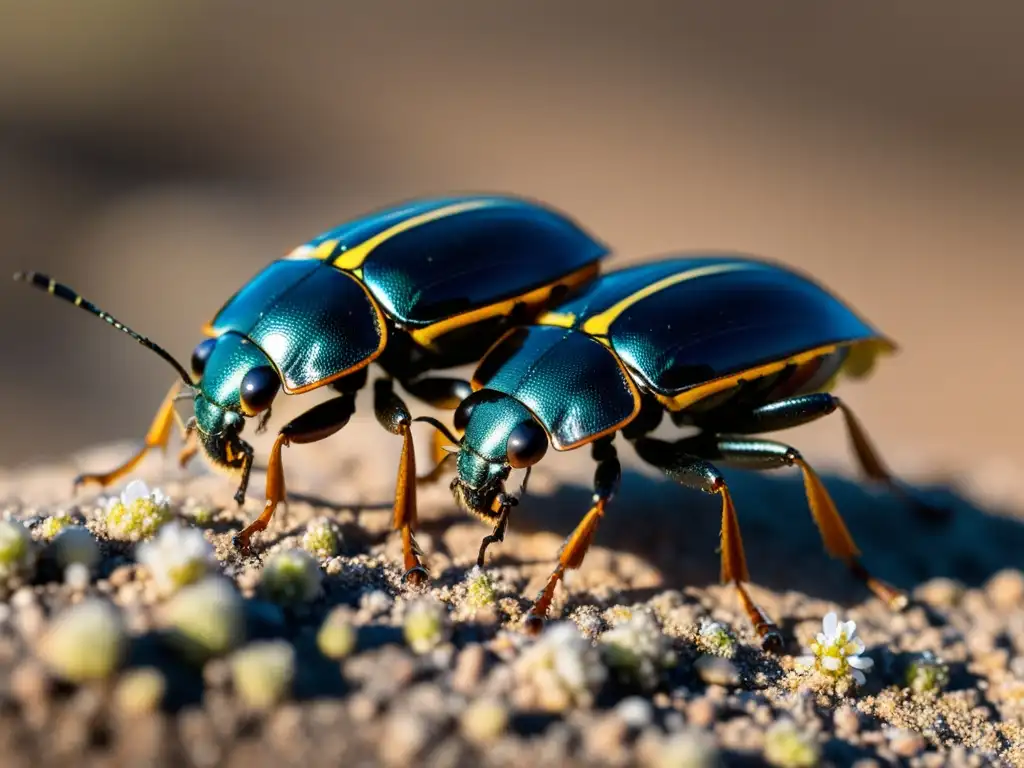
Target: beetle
<point>423,285</point>
<point>728,346</point>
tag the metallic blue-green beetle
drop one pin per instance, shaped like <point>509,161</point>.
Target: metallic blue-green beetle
<point>425,285</point>
<point>730,345</point>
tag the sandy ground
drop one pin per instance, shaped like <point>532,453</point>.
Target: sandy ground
<point>481,692</point>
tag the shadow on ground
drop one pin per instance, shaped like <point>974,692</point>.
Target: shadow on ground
<point>673,529</point>
<point>676,530</point>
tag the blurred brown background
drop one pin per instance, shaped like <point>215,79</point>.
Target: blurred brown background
<point>156,155</point>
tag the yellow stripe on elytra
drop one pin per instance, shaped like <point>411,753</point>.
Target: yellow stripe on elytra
<point>859,350</point>
<point>324,250</point>
<point>599,324</point>
<point>305,251</point>
<point>688,397</point>
<point>425,336</point>
<point>557,319</point>
<point>354,257</point>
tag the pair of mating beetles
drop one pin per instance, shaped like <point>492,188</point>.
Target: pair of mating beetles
<point>567,357</point>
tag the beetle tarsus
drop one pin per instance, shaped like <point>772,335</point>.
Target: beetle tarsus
<point>242,539</point>
<point>533,624</point>
<point>896,599</point>
<point>538,613</point>
<point>766,629</point>
<point>771,640</point>
<point>417,576</point>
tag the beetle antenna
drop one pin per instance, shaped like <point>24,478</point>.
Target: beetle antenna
<point>61,291</point>
<point>439,427</point>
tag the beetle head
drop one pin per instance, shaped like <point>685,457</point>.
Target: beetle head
<point>234,379</point>
<point>500,434</point>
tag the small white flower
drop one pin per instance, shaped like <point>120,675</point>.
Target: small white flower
<point>836,651</point>
<point>176,556</point>
<point>138,512</point>
<point>137,490</point>
<point>321,538</point>
<point>715,638</point>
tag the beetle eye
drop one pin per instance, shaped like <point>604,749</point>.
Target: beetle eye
<point>200,355</point>
<point>259,386</point>
<point>461,416</point>
<point>526,445</point>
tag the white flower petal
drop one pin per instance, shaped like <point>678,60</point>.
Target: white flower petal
<point>831,663</point>
<point>861,662</point>
<point>134,491</point>
<point>804,661</point>
<point>848,628</point>
<point>854,647</point>
<point>830,623</point>
<point>858,676</point>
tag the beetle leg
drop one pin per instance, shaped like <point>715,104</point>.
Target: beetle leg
<point>693,472</point>
<point>750,453</point>
<point>444,394</point>
<point>158,436</point>
<point>873,466</point>
<point>394,416</point>
<point>317,423</point>
<point>246,471</point>
<point>496,536</point>
<point>606,483</point>
<point>794,411</point>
